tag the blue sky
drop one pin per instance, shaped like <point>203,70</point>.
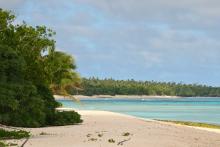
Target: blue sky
<point>161,40</point>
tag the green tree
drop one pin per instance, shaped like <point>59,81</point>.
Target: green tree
<point>95,86</point>
<point>25,95</point>
<point>60,72</point>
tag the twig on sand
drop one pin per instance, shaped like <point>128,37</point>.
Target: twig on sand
<point>121,142</point>
<point>25,142</point>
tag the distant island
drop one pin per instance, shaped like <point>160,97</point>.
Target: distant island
<point>96,86</point>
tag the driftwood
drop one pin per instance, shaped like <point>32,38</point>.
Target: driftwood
<point>25,142</point>
<point>121,142</point>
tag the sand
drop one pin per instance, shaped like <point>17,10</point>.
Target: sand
<point>100,126</point>
<point>60,97</point>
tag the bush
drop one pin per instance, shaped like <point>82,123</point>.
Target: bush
<point>24,104</point>
<point>2,144</point>
<point>4,134</point>
<point>66,118</point>
<point>26,76</point>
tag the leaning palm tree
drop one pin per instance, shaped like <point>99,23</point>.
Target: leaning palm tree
<point>62,76</point>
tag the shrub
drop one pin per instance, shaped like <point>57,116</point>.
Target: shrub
<point>66,118</point>
<point>2,144</point>
<point>24,104</point>
<point>26,76</point>
<point>4,134</point>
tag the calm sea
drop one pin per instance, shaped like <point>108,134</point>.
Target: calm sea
<point>205,110</point>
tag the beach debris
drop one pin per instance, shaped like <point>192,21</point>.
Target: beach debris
<point>121,142</point>
<point>100,135</point>
<point>44,133</point>
<point>26,140</point>
<point>12,144</point>
<point>93,139</point>
<point>88,135</point>
<point>196,139</point>
<point>104,131</point>
<point>126,134</point>
<point>111,140</point>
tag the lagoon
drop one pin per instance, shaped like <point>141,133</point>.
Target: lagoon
<point>206,110</point>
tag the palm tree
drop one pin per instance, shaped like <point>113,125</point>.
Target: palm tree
<point>60,68</point>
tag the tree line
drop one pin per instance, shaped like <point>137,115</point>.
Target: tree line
<point>95,86</point>
<point>31,69</point>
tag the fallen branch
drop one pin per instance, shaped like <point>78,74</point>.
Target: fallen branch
<point>121,142</point>
<point>24,142</point>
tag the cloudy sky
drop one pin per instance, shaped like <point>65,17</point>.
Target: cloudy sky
<point>161,40</point>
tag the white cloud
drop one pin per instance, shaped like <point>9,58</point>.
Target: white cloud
<point>168,36</point>
<point>11,4</point>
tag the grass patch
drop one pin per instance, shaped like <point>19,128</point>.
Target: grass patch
<point>88,135</point>
<point>100,135</point>
<point>12,144</point>
<point>111,140</point>
<point>5,134</point>
<point>44,133</point>
<point>126,134</point>
<point>2,144</point>
<point>93,139</point>
<point>194,124</point>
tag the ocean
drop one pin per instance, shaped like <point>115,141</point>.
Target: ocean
<point>206,110</point>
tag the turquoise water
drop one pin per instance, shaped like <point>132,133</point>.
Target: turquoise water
<point>205,110</point>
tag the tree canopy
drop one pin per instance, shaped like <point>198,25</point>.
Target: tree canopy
<point>95,86</point>
<point>30,67</point>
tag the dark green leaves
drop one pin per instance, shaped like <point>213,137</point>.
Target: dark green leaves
<point>27,73</point>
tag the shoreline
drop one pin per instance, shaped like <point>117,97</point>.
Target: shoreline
<point>102,112</point>
<point>60,97</point>
<point>78,97</point>
<point>99,127</point>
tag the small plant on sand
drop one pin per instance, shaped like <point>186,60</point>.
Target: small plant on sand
<point>5,134</point>
<point>44,133</point>
<point>126,134</point>
<point>194,124</point>
<point>93,139</point>
<point>2,144</point>
<point>12,144</point>
<point>100,135</point>
<point>111,140</point>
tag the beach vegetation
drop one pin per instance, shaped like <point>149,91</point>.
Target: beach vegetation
<point>44,133</point>
<point>194,124</point>
<point>13,134</point>
<point>93,139</point>
<point>88,135</point>
<point>96,86</point>
<point>2,144</point>
<point>126,134</point>
<point>30,71</point>
<point>111,140</point>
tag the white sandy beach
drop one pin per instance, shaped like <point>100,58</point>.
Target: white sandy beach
<point>59,97</point>
<point>100,126</point>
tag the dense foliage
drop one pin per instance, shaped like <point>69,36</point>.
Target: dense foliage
<point>13,134</point>
<point>95,86</point>
<point>29,70</point>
